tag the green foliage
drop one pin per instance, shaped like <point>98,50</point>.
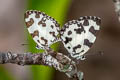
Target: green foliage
<point>4,75</point>
<point>56,9</point>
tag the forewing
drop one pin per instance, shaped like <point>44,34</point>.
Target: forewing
<point>43,28</point>
<point>79,35</point>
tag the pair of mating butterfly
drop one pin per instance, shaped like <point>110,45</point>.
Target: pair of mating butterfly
<point>77,35</point>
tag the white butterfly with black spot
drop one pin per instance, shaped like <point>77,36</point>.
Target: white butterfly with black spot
<point>43,28</point>
<point>76,35</point>
<point>79,35</point>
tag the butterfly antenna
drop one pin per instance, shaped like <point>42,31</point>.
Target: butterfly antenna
<point>24,44</point>
<point>100,53</point>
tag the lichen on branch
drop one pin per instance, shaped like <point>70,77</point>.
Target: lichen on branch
<point>54,59</point>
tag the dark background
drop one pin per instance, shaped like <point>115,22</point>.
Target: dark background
<point>106,66</point>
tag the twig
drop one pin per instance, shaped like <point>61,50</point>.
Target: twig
<point>117,7</point>
<point>54,59</point>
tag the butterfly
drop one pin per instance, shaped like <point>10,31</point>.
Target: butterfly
<point>43,28</point>
<point>77,36</point>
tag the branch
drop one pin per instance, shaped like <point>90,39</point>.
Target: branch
<point>54,59</point>
<point>117,7</point>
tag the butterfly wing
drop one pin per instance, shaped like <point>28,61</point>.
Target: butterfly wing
<point>43,28</point>
<point>79,35</point>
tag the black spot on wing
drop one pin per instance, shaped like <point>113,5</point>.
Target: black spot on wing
<point>37,14</point>
<point>93,31</point>
<point>53,34</point>
<point>42,22</point>
<point>38,41</point>
<point>86,22</point>
<point>79,30</point>
<point>36,33</point>
<point>78,53</point>
<point>82,51</point>
<point>86,18</point>
<point>79,24</point>
<point>30,23</point>
<point>45,40</point>
<point>69,32</point>
<point>98,21</point>
<point>87,43</point>
<point>76,47</point>
<point>67,40</point>
<point>68,47</point>
<point>52,26</point>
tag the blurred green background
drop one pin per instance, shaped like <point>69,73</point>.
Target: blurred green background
<point>58,10</point>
